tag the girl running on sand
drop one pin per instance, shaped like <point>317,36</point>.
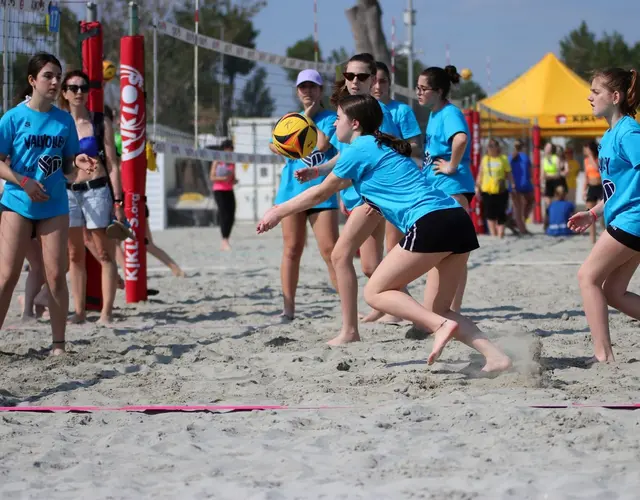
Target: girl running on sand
<point>605,275</point>
<point>378,167</point>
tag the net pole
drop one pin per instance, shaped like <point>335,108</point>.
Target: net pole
<point>393,57</point>
<point>195,76</point>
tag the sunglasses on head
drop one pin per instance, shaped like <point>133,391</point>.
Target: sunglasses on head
<point>84,88</point>
<point>362,77</point>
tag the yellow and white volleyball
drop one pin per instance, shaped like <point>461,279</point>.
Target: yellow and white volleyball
<point>295,136</point>
<point>109,70</point>
<point>466,74</point>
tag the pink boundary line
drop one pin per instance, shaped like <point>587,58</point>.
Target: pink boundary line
<point>158,408</point>
<point>611,406</point>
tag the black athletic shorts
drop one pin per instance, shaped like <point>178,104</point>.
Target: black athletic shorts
<point>313,211</point>
<point>494,206</point>
<point>448,230</point>
<point>594,193</point>
<point>627,239</point>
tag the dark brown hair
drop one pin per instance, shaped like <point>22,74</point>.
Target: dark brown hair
<point>62,101</point>
<point>441,78</point>
<point>39,61</point>
<point>626,83</point>
<point>367,110</point>
<point>339,88</point>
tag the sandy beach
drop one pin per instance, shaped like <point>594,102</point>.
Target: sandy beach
<point>398,428</point>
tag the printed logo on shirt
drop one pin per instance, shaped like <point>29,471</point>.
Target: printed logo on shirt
<point>609,189</point>
<point>428,160</point>
<point>315,158</point>
<point>49,165</point>
<point>44,141</point>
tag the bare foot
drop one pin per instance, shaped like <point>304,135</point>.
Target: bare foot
<point>225,246</point>
<point>40,310</point>
<point>442,336</point>
<point>390,320</point>
<point>372,316</point>
<point>77,319</point>
<point>57,348</point>
<point>105,320</point>
<point>286,317</point>
<point>177,272</point>
<point>497,364</point>
<point>344,338</point>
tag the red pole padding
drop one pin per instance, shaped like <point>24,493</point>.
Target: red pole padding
<point>133,122</point>
<point>476,203</point>
<point>92,66</point>
<point>537,213</point>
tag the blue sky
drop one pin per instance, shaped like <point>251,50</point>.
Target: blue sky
<point>515,34</point>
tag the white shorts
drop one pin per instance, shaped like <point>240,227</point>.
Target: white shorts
<point>91,209</point>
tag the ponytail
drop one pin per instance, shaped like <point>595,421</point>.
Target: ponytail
<point>400,146</point>
<point>633,93</point>
<point>339,91</point>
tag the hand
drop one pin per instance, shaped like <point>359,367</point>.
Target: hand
<point>269,220</point>
<point>310,108</point>
<point>441,166</point>
<point>306,174</point>
<point>35,190</point>
<point>86,163</point>
<point>581,221</point>
<point>119,213</point>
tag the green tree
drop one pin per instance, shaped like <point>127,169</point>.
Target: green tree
<point>467,89</point>
<point>255,99</point>
<point>583,52</point>
<point>303,49</point>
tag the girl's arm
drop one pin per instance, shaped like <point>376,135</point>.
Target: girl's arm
<point>212,170</point>
<point>304,201</point>
<point>7,173</point>
<point>416,150</point>
<point>458,146</point>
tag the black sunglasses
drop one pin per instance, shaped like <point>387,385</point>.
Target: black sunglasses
<point>75,88</point>
<point>362,77</point>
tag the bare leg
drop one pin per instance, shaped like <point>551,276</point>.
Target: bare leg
<point>493,231</point>
<point>77,273</point>
<point>456,303</point>
<point>15,234</point>
<point>161,255</point>
<point>109,274</point>
<point>294,235</point>
<point>325,228</point>
<point>54,237</point>
<point>358,228</point>
<point>370,257</point>
<point>35,280</point>
<point>608,259</point>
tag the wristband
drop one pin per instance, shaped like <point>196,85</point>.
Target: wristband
<point>595,217</point>
<point>24,181</point>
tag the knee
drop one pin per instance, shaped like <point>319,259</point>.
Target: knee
<point>76,255</point>
<point>293,252</point>
<point>340,257</point>
<point>586,277</point>
<point>57,281</point>
<point>9,278</point>
<point>370,294</point>
<point>326,251</point>
<point>103,256</point>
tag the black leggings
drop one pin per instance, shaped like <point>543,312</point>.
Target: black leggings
<point>226,202</point>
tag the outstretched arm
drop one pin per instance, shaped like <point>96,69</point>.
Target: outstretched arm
<point>304,201</point>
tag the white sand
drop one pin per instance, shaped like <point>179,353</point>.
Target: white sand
<point>411,431</point>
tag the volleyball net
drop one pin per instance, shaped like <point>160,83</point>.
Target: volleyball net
<point>26,27</point>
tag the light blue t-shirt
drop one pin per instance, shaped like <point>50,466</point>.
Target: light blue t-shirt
<point>442,127</point>
<point>405,119</point>
<point>350,197</point>
<point>289,185</point>
<point>38,144</point>
<point>389,182</point>
<point>619,160</point>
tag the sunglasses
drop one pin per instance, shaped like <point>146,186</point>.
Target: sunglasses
<point>362,77</point>
<point>78,88</point>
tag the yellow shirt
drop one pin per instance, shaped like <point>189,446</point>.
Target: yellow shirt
<point>572,174</point>
<point>494,174</point>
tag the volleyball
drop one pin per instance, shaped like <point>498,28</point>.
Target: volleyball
<point>109,70</point>
<point>466,74</point>
<point>295,136</point>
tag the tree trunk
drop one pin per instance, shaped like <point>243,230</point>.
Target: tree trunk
<point>366,25</point>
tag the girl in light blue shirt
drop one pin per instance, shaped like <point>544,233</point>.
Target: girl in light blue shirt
<point>605,275</point>
<point>42,142</point>
<point>438,233</point>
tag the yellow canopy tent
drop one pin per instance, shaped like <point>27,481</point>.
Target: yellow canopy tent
<point>550,93</point>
